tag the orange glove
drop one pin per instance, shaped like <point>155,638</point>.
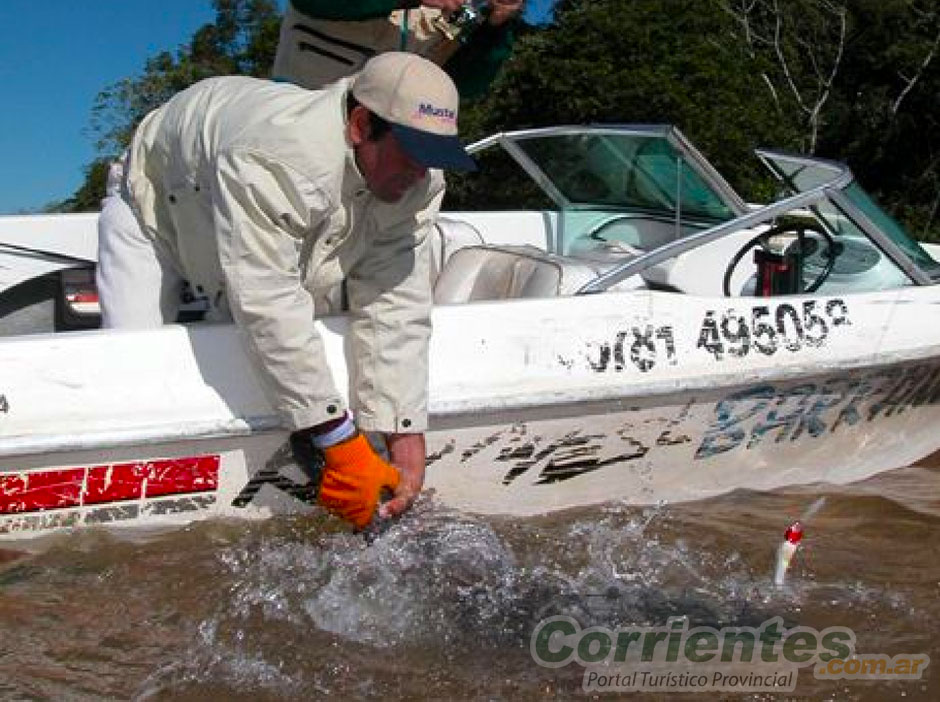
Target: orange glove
<point>353,480</point>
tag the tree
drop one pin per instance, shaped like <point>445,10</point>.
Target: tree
<point>862,79</point>
<point>652,61</point>
<point>88,197</point>
<point>855,80</point>
<point>805,42</point>
<point>888,123</point>
<point>241,40</point>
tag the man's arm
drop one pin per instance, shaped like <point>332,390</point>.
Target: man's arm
<point>476,64</point>
<point>389,294</point>
<point>390,305</point>
<point>262,209</point>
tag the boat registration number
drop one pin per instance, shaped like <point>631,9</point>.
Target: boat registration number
<point>765,331</point>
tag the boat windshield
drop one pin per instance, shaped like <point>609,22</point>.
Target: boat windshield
<point>622,171</point>
<point>801,174</point>
<point>892,228</point>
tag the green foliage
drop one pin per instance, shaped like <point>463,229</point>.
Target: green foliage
<point>859,80</point>
<point>242,40</point>
<point>886,118</point>
<point>856,80</point>
<point>640,61</point>
<point>88,197</point>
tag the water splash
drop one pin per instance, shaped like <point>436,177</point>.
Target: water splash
<point>425,578</point>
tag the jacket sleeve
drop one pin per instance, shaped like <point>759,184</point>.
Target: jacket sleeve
<point>263,212</point>
<point>390,304</point>
<point>477,63</point>
<point>349,9</point>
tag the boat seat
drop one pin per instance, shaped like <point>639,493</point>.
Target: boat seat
<point>447,237</point>
<point>485,272</point>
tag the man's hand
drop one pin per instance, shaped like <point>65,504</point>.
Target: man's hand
<point>445,6</point>
<point>353,480</point>
<point>501,11</point>
<point>407,453</point>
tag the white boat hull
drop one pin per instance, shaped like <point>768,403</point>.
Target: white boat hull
<point>638,397</point>
<point>547,397</point>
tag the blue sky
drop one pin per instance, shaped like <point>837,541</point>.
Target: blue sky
<point>55,57</point>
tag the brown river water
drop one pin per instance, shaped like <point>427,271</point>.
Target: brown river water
<point>443,605</point>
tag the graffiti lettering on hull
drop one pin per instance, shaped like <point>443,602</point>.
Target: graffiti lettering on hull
<point>480,445</point>
<point>578,453</point>
<point>63,519</point>
<point>433,458</point>
<point>272,474</point>
<point>669,437</point>
<point>765,413</point>
<point>573,455</point>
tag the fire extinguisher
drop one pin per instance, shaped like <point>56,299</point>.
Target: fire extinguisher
<point>779,272</point>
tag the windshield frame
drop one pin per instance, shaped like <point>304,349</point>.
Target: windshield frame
<point>892,245</point>
<point>680,246</point>
<point>510,142</point>
<point>830,190</point>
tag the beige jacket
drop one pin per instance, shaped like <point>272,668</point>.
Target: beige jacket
<point>253,189</point>
<point>314,52</point>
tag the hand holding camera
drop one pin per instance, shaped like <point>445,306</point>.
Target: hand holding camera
<point>501,11</point>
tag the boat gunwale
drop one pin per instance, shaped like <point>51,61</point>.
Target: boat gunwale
<point>475,407</point>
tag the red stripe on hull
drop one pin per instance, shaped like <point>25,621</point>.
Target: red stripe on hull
<point>64,488</point>
<point>57,489</point>
<point>199,474</point>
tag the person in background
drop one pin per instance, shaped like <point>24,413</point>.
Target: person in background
<point>324,40</point>
<point>264,195</point>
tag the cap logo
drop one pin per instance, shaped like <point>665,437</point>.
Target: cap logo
<point>443,114</point>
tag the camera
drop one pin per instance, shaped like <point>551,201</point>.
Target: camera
<point>462,23</point>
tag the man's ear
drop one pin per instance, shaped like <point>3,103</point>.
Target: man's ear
<point>358,125</point>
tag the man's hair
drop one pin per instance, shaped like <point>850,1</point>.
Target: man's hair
<point>377,125</point>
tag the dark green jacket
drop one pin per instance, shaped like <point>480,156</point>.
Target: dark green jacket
<point>474,66</point>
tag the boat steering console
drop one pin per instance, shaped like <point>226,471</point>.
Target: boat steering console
<point>780,257</point>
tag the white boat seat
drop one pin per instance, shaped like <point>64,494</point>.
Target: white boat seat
<point>507,272</point>
<point>447,237</point>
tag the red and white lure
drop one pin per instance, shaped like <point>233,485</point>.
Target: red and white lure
<point>791,542</point>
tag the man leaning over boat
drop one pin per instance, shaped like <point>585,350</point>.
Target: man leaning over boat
<point>265,196</point>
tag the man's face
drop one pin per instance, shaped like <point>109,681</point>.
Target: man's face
<point>388,171</point>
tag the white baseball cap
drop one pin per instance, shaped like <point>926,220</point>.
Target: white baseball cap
<point>420,102</point>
